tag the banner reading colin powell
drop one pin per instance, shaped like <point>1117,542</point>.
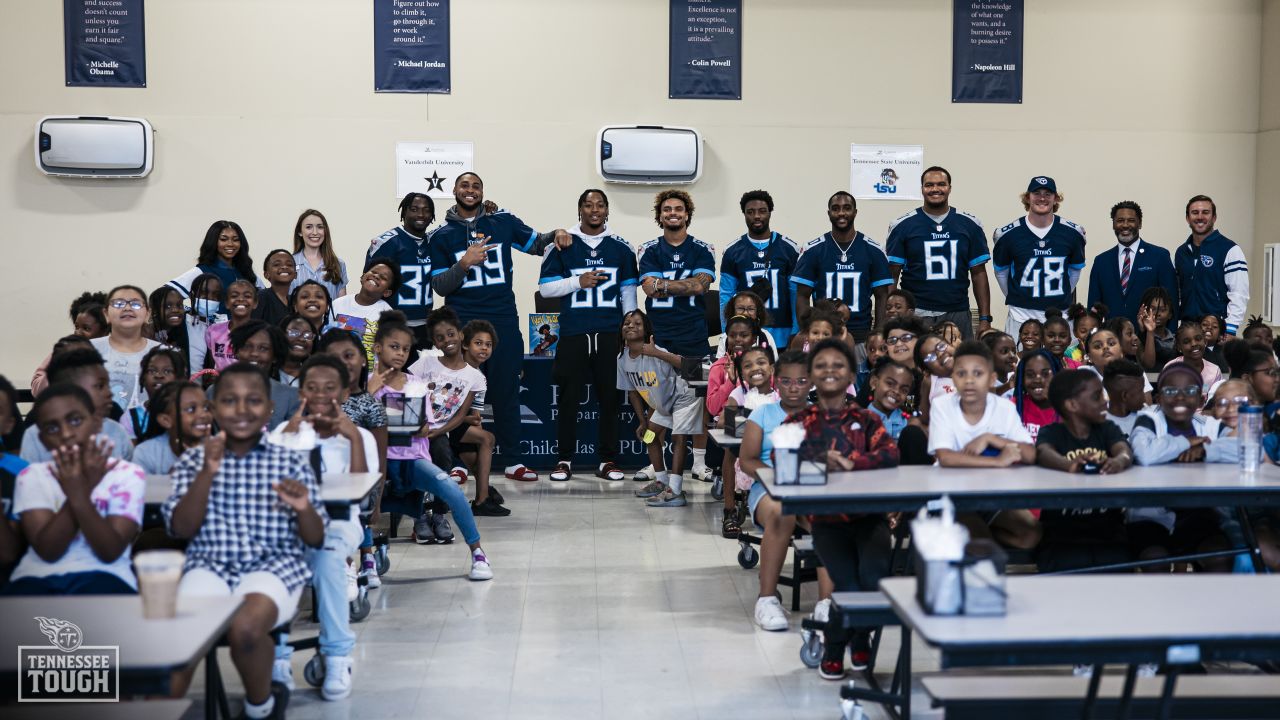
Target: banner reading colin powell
<point>706,49</point>
<point>105,43</point>
<point>411,46</point>
<point>986,51</point>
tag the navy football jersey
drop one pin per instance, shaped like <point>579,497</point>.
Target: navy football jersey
<point>936,257</point>
<point>486,292</point>
<point>677,320</point>
<point>743,264</point>
<point>850,279</point>
<point>412,255</point>
<point>1040,273</point>
<point>596,309</point>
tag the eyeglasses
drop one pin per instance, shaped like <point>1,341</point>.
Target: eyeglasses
<point>1232,402</point>
<point>792,382</point>
<point>300,335</point>
<point>121,304</point>
<point>903,338</point>
<point>1272,372</point>
<point>1173,392</point>
<point>938,351</point>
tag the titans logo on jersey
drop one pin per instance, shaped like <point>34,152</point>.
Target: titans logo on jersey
<point>1038,273</point>
<point>744,264</point>
<point>677,320</point>
<point>936,257</point>
<point>486,291</point>
<point>414,298</point>
<point>594,309</point>
<point>848,275</point>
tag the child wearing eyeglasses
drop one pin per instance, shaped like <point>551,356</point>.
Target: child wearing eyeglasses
<point>934,354</point>
<point>123,347</point>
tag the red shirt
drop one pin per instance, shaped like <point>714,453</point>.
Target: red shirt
<point>1034,417</point>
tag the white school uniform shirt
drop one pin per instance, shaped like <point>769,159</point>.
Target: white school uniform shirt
<point>120,492</point>
<point>948,430</point>
<point>335,452</point>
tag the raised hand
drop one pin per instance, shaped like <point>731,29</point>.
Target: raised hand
<point>563,239</point>
<point>68,469</point>
<point>1147,319</point>
<point>476,254</point>
<point>215,447</point>
<point>295,421</point>
<point>648,348</point>
<point>292,493</point>
<point>96,461</point>
<point>379,377</point>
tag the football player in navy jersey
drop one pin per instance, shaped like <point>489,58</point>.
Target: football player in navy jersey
<point>471,268</point>
<point>407,245</point>
<point>1038,258</point>
<point>933,252</point>
<point>846,265</point>
<point>595,279</point>
<point>762,260</point>
<point>675,271</point>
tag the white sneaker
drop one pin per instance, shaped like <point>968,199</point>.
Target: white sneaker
<point>282,672</point>
<point>480,569</point>
<point>822,611</point>
<point>1148,670</point>
<point>1082,670</point>
<point>703,474</point>
<point>770,615</point>
<point>337,677</point>
<point>644,474</point>
<point>370,572</point>
<point>353,585</point>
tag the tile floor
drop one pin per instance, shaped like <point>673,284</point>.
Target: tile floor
<point>600,608</point>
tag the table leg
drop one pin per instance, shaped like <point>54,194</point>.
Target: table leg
<point>1251,540</point>
<point>905,659</point>
<point>1091,699</point>
<point>1126,697</point>
<point>1166,697</point>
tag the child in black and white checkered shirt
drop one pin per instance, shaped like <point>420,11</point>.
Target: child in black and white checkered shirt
<point>247,509</point>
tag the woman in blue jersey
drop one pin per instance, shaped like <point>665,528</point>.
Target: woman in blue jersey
<point>225,253</point>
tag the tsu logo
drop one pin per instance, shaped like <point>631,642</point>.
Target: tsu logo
<point>888,182</point>
<point>1206,260</point>
<point>67,670</point>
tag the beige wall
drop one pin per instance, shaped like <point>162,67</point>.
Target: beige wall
<point>1268,174</point>
<point>264,108</point>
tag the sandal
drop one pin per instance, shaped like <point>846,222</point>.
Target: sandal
<point>523,474</point>
<point>562,472</point>
<point>731,526</point>
<point>459,476</point>
<point>609,471</point>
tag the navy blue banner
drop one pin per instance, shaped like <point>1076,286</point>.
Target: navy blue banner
<point>706,49</point>
<point>986,51</point>
<point>105,43</point>
<point>411,46</point>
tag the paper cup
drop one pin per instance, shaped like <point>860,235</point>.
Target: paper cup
<point>158,574</point>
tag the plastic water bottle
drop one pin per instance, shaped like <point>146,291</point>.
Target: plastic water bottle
<point>1249,428</point>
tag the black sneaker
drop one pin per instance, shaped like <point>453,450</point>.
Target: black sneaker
<point>496,496</point>
<point>281,693</point>
<point>489,508</point>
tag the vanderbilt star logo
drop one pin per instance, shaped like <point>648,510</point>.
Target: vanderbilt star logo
<point>435,182</point>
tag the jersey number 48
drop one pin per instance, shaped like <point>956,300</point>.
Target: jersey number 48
<point>1051,271</point>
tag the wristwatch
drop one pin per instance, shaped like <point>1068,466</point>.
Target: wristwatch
<point>985,318</point>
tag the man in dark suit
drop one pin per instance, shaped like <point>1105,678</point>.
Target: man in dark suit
<point>1121,275</point>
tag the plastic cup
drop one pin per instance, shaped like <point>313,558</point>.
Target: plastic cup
<point>158,574</point>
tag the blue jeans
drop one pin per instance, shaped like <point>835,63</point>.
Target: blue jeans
<point>329,577</point>
<point>426,477</point>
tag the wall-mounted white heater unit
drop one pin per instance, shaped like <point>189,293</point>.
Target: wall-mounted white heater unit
<point>649,154</point>
<point>94,147</point>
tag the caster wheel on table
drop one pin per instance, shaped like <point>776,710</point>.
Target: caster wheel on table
<point>382,559</point>
<point>811,649</point>
<point>717,488</point>
<point>313,671</point>
<point>361,607</point>
<point>748,557</point>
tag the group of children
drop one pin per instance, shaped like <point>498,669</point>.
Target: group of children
<point>246,445</point>
<point>1072,396</point>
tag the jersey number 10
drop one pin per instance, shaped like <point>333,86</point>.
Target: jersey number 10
<point>843,285</point>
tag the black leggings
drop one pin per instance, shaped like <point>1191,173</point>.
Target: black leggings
<point>856,555</point>
<point>913,447</point>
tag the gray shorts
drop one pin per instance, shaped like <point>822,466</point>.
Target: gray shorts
<point>962,318</point>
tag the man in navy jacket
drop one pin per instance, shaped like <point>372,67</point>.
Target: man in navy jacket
<point>1213,276</point>
<point>1122,274</point>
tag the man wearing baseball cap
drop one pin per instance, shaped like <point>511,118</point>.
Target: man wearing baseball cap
<point>1037,258</point>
